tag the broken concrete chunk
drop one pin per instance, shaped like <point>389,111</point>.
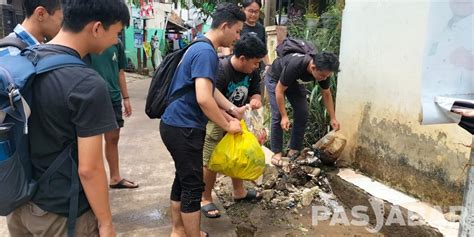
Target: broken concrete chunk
<point>316,172</point>
<point>288,203</point>
<point>267,195</point>
<point>307,197</point>
<point>304,229</point>
<point>451,217</point>
<point>414,217</point>
<point>316,190</point>
<point>295,211</point>
<point>270,183</point>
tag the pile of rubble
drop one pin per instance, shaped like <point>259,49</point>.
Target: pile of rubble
<point>298,183</point>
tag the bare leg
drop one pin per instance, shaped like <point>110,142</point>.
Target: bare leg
<point>192,223</point>
<point>111,154</point>
<point>239,190</point>
<point>209,180</point>
<point>178,226</point>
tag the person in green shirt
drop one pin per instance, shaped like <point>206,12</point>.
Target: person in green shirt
<point>110,65</point>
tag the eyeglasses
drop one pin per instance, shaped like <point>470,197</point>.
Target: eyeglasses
<point>254,12</point>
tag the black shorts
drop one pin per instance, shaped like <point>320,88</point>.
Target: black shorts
<point>185,146</point>
<point>118,113</point>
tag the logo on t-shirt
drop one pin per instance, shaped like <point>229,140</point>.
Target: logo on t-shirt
<point>237,93</point>
<point>114,58</point>
<point>301,82</point>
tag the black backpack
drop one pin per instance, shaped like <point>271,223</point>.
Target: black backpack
<point>158,97</point>
<point>291,45</point>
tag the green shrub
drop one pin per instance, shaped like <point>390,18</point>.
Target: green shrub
<point>326,37</point>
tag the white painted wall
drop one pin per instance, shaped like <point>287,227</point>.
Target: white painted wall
<point>382,48</point>
<point>161,10</point>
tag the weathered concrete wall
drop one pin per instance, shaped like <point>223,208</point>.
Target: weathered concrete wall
<point>378,103</point>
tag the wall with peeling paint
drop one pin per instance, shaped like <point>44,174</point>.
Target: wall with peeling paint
<point>378,103</point>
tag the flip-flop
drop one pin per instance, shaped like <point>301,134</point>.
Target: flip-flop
<point>122,184</point>
<point>206,209</point>
<point>250,197</point>
<point>205,233</point>
<point>276,161</point>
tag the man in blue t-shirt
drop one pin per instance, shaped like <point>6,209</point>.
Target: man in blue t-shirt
<point>183,123</point>
<point>238,78</point>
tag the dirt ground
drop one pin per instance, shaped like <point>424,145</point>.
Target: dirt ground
<point>264,219</point>
<point>282,214</point>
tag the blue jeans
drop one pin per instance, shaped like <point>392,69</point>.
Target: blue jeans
<point>296,95</point>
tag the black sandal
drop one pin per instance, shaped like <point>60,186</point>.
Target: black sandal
<point>206,209</point>
<point>294,156</point>
<point>123,184</point>
<point>251,196</point>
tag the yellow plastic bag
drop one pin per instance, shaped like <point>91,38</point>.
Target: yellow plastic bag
<point>238,156</point>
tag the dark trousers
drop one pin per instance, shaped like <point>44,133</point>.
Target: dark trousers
<point>185,146</point>
<point>296,95</point>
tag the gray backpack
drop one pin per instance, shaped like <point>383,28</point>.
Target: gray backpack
<point>11,41</point>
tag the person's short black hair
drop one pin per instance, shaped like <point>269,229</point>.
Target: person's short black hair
<point>227,12</point>
<point>326,61</point>
<point>247,3</point>
<point>50,5</point>
<point>79,13</point>
<point>250,46</point>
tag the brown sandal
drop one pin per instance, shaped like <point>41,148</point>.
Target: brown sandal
<point>277,161</point>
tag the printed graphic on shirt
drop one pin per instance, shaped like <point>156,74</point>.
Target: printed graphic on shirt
<point>237,93</point>
<point>301,82</point>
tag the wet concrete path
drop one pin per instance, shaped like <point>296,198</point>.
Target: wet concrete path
<point>145,160</point>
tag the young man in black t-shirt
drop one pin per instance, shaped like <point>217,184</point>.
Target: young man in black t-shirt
<point>287,77</point>
<point>238,79</point>
<point>72,110</point>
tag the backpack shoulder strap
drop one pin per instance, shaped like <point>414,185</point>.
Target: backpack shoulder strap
<point>226,66</point>
<point>42,65</point>
<point>203,39</point>
<point>74,189</point>
<point>11,41</point>
<point>185,90</point>
<point>58,61</point>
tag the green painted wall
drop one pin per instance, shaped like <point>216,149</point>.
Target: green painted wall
<point>131,51</point>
